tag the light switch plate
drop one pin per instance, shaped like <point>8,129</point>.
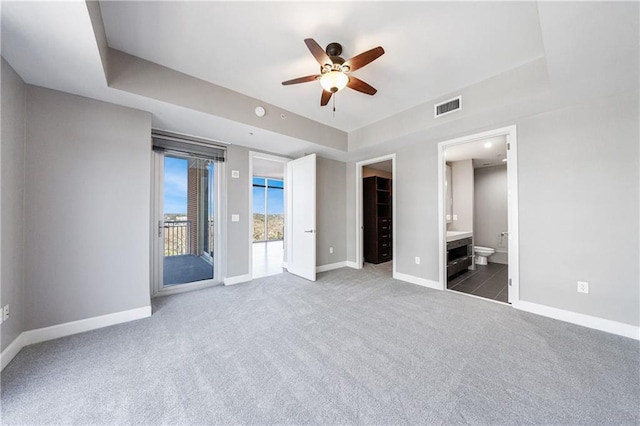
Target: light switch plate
<point>235,218</point>
<point>235,174</point>
<point>455,217</point>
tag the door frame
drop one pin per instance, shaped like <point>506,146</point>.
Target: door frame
<point>512,205</point>
<point>359,211</point>
<point>269,157</point>
<point>156,287</point>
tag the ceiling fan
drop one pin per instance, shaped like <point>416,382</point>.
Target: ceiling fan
<point>335,71</point>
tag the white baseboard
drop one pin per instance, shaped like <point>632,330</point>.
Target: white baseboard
<point>417,280</point>
<point>331,266</point>
<point>237,279</point>
<point>613,327</point>
<point>353,265</point>
<point>11,351</point>
<point>74,327</point>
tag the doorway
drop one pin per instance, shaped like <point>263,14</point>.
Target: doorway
<point>268,214</point>
<point>478,215</point>
<point>185,248</point>
<point>375,216</point>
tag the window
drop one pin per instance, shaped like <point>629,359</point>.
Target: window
<point>268,209</point>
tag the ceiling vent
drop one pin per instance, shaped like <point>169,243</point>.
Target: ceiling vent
<point>447,107</point>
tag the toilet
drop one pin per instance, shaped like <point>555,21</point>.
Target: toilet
<point>482,253</point>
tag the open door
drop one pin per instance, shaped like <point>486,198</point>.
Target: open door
<point>301,204</point>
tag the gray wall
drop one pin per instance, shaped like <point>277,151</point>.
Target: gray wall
<point>490,216</point>
<point>350,230</point>
<point>87,208</point>
<point>12,201</point>
<point>462,193</point>
<point>237,253</point>
<point>417,210</point>
<point>578,193</point>
<point>578,205</point>
<point>331,210</point>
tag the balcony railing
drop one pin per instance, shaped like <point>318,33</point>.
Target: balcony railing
<point>177,237</point>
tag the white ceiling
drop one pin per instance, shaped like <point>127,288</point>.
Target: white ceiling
<point>432,48</point>
<point>268,168</point>
<point>484,153</point>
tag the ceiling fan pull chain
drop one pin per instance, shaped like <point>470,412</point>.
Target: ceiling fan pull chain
<point>334,105</point>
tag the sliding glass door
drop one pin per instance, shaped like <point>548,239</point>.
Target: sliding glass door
<point>186,217</point>
<point>187,228</point>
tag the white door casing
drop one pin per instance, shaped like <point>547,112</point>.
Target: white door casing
<point>512,182</point>
<point>301,209</point>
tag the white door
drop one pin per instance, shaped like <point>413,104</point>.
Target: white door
<point>301,205</point>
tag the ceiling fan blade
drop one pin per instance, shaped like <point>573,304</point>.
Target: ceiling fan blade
<point>305,79</point>
<point>360,86</point>
<point>318,52</point>
<point>364,58</point>
<point>326,96</point>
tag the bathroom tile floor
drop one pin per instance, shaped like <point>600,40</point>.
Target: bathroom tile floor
<point>488,281</point>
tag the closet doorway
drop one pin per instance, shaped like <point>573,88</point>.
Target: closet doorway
<point>375,215</point>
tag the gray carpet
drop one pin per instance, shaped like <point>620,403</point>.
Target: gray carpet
<point>356,347</point>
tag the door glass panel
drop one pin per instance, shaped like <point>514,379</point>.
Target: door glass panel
<point>188,220</point>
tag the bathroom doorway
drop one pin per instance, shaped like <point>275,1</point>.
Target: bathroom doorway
<point>478,203</point>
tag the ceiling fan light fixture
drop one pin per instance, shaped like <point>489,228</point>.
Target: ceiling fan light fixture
<point>334,81</point>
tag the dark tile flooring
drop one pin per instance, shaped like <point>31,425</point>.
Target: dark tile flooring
<point>185,269</point>
<point>488,281</point>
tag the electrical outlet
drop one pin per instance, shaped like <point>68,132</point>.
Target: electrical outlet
<point>5,312</point>
<point>417,260</point>
<point>235,174</point>
<point>583,287</point>
<point>235,218</point>
<point>330,250</point>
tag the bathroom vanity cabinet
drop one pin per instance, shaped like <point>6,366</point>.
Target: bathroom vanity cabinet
<point>459,255</point>
<point>376,203</point>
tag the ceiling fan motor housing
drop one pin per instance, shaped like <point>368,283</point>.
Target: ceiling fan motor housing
<point>334,49</point>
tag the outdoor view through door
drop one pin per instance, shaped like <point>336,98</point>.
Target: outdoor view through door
<point>188,245</point>
<point>268,209</point>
